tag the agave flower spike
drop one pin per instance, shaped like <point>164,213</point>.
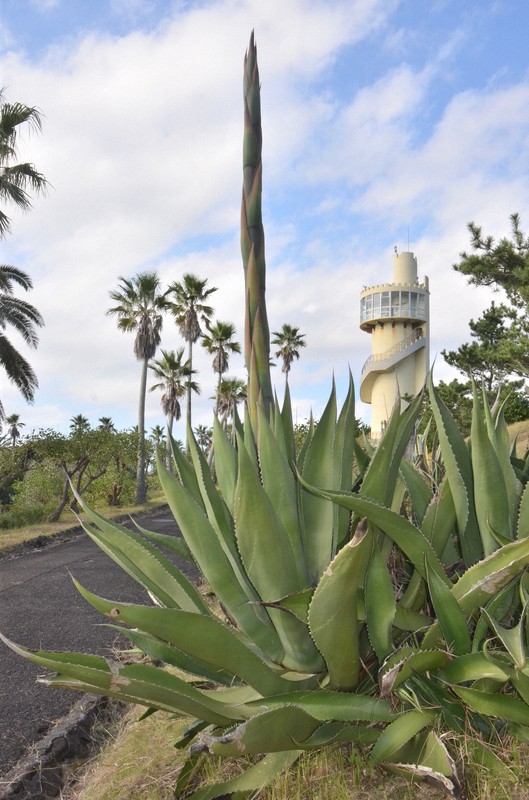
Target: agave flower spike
<point>257,334</point>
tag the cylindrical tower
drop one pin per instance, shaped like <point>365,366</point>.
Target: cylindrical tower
<point>397,317</point>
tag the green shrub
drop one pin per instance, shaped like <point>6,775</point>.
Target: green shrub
<point>34,496</point>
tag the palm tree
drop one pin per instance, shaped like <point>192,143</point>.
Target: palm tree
<point>204,437</point>
<point>79,424</point>
<point>189,309</point>
<point>289,342</point>
<point>24,318</point>
<point>230,393</point>
<point>16,180</point>
<point>139,308</point>
<point>106,424</point>
<point>158,435</point>
<point>13,420</point>
<point>219,342</point>
<point>175,378</point>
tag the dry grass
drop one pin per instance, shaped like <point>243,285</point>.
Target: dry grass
<point>141,763</point>
<point>138,762</point>
<point>13,538</point>
<point>520,432</point>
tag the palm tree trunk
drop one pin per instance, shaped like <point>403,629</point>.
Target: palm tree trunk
<point>218,394</point>
<point>190,359</point>
<point>141,488</point>
<point>170,420</point>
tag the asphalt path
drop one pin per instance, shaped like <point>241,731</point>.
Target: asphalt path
<point>41,609</point>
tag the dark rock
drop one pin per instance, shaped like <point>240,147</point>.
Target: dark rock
<point>41,774</point>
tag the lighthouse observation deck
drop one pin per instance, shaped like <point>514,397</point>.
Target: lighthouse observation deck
<point>407,302</point>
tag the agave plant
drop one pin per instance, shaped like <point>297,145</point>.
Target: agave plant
<point>338,620</point>
<point>350,596</point>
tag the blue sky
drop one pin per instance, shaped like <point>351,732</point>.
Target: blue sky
<point>382,119</point>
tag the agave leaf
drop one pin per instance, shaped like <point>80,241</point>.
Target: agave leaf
<point>297,604</point>
<point>184,472</point>
<point>214,504</point>
<point>399,733</point>
<point>204,638</point>
<point>502,447</point>
<point>407,662</point>
<point>382,473</point>
<point>522,527</point>
<point>438,524</point>
<point>520,681</point>
<point>459,472</point>
<point>502,706</point>
<point>419,489</point>
<point>520,732</point>
<point>472,667</point>
<point>265,546</point>
<point>282,728</point>
<point>482,754</point>
<point>247,436</point>
<point>287,423</point>
<point>220,564</point>
<point>318,515</point>
<point>225,464</point>
<point>502,605</point>
<point>431,760</point>
<point>342,449</point>
<point>439,520</point>
<point>143,562</point>
<point>400,530</point>
<point>94,669</point>
<point>408,620</point>
<point>175,544</point>
<point>376,481</point>
<point>333,616</point>
<point>492,507</point>
<point>511,638</point>
<point>280,485</point>
<point>452,620</point>
<point>482,581</point>
<point>251,781</point>
<point>362,456</point>
<point>306,444</point>
<point>191,765</point>
<point>270,563</point>
<point>340,733</point>
<point>380,605</point>
<point>138,683</point>
<point>159,650</point>
<point>325,705</point>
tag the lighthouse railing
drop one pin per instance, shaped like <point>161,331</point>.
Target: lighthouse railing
<point>416,336</point>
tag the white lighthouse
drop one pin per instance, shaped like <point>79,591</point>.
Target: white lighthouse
<point>397,317</point>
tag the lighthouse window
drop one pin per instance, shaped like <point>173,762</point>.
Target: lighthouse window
<point>376,305</point>
<point>395,304</point>
<point>405,304</point>
<point>420,306</point>
<point>385,304</point>
<point>413,306</point>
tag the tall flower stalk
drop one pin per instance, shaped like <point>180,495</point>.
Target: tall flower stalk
<point>256,333</point>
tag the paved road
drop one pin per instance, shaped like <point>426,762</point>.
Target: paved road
<point>40,608</point>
